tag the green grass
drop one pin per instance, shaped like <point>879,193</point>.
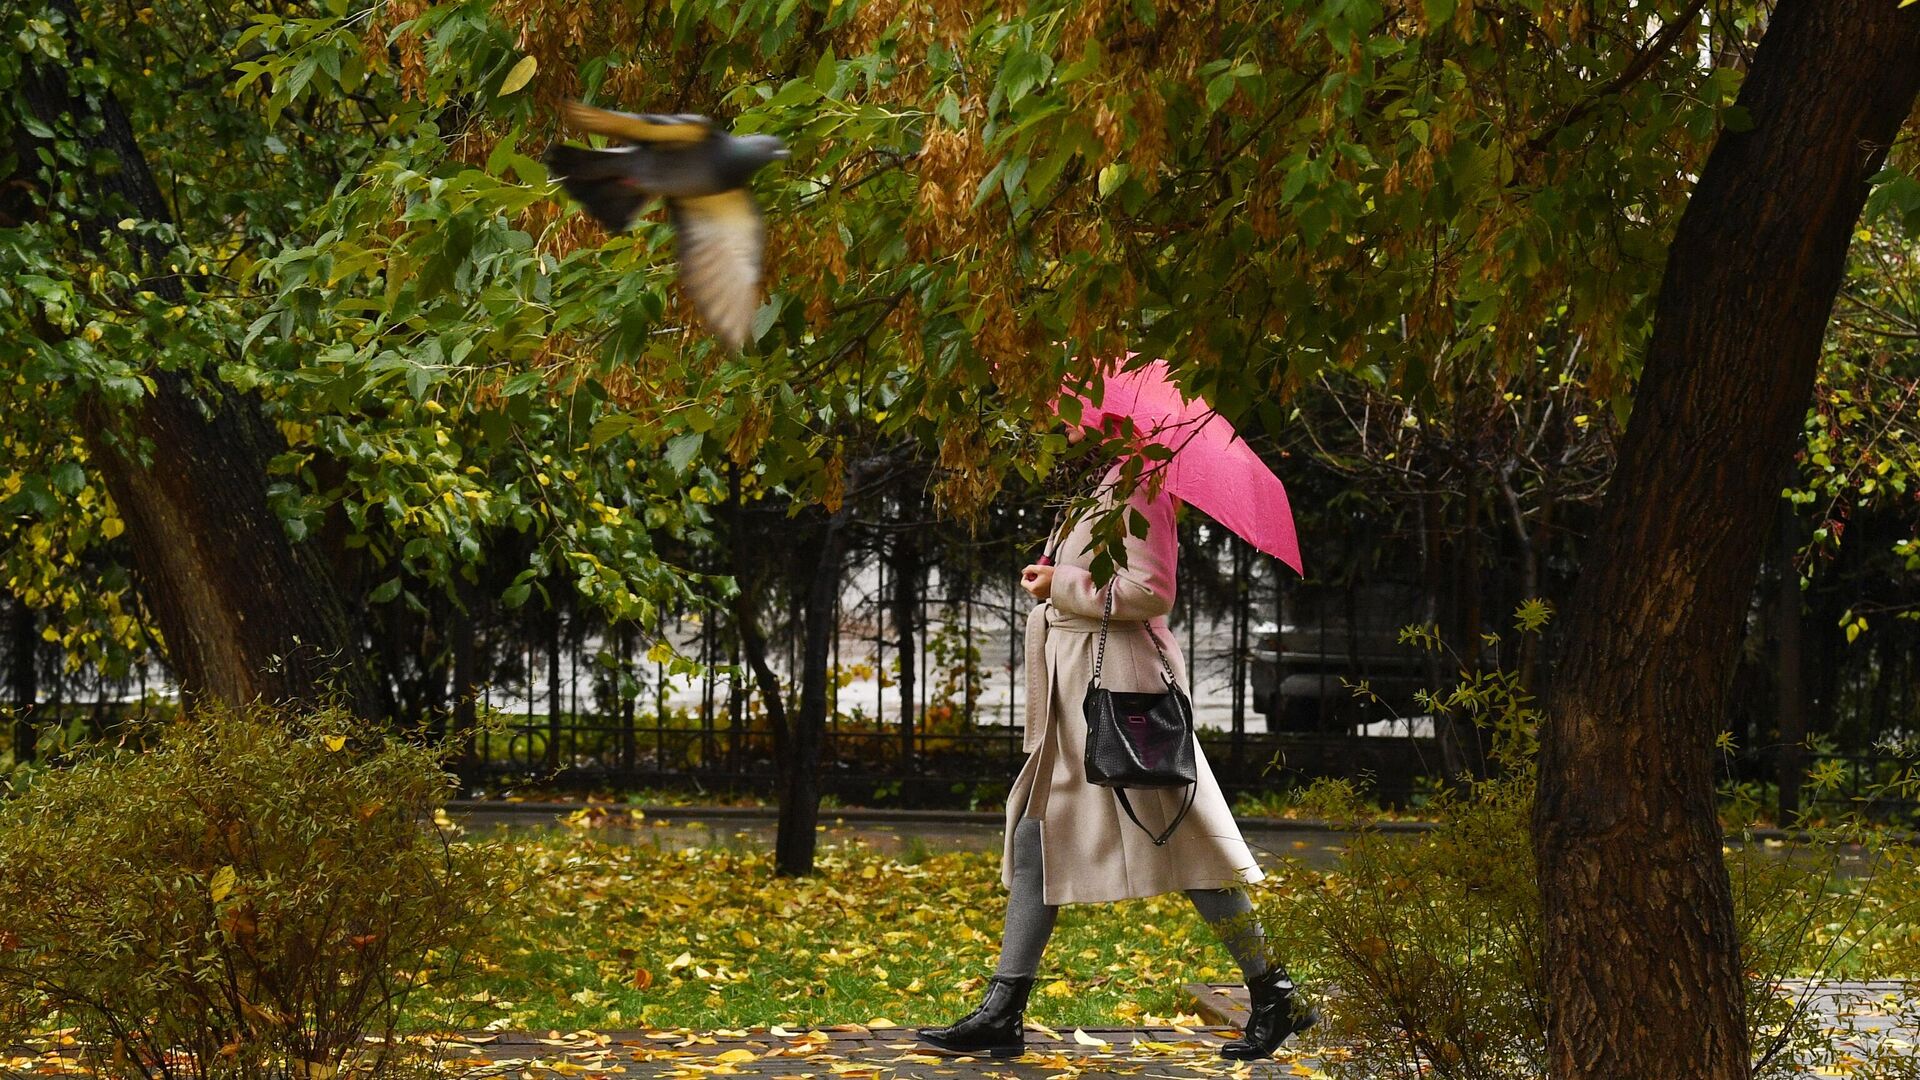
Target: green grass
<point>612,932</point>
<point>616,934</point>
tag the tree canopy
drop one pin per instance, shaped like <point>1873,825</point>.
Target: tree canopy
<point>1423,197</point>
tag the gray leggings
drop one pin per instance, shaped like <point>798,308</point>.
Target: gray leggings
<point>1030,919</point>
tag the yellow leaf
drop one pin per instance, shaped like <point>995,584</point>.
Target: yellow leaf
<point>1085,1039</point>
<point>881,1022</point>
<point>678,962</point>
<point>734,1057</point>
<point>521,74</point>
<point>112,527</point>
<point>334,743</point>
<point>1058,988</point>
<point>223,880</point>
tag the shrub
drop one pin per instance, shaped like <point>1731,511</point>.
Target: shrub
<point>1431,942</point>
<point>250,895</point>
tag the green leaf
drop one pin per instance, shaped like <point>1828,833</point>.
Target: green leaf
<point>388,589</point>
<point>682,449</point>
<point>1041,176</point>
<point>1072,408</point>
<point>1219,89</point>
<point>525,382</point>
<point>521,74</point>
<point>608,428</point>
<point>824,74</point>
<point>764,318</point>
<point>69,478</point>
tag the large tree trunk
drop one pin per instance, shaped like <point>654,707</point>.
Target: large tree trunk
<point>1642,963</point>
<point>796,837</point>
<point>245,612</point>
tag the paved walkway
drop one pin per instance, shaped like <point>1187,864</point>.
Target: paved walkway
<point>1870,1037</point>
<point>1166,1050</point>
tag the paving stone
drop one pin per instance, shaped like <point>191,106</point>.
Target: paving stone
<point>1863,1017</point>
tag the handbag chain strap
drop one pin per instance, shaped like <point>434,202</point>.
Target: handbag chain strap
<point>1100,654</point>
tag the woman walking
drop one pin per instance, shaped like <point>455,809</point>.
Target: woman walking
<point>1069,841</point>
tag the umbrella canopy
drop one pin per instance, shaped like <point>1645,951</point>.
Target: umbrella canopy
<point>1212,467</point>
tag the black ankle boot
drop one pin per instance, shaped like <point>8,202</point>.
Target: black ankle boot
<point>996,1027</point>
<point>1277,1013</point>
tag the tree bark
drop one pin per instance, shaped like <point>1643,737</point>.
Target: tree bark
<point>1642,962</point>
<point>796,837</point>
<point>753,642</point>
<point>245,612</point>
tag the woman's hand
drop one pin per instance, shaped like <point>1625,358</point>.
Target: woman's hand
<point>1037,580</point>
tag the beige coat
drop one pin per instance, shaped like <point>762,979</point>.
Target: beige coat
<point>1090,851</point>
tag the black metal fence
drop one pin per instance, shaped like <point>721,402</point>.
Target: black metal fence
<point>575,710</point>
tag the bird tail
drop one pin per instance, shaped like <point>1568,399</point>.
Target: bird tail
<point>597,180</point>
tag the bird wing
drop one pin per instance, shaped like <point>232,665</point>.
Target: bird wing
<point>722,238</point>
<point>638,127</point>
<point>599,181</point>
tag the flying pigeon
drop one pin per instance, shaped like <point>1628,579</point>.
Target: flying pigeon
<point>702,172</point>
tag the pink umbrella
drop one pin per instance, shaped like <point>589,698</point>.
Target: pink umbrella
<point>1212,467</point>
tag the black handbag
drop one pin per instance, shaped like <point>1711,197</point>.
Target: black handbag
<point>1140,740</point>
